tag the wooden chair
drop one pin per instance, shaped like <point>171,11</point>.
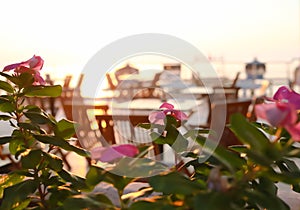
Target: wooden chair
<point>111,84</point>
<point>75,110</point>
<point>232,106</point>
<point>121,129</point>
<point>231,91</point>
<point>237,76</point>
<point>152,91</point>
<point>67,81</point>
<point>217,109</point>
<point>225,93</point>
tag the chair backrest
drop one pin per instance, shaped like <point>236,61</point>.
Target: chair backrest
<point>232,106</point>
<point>74,108</point>
<point>67,81</point>
<point>235,79</point>
<point>228,92</point>
<point>196,79</point>
<point>110,82</point>
<point>153,91</point>
<point>80,79</point>
<point>120,129</point>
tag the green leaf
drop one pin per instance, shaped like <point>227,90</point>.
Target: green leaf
<point>31,159</point>
<point>22,205</point>
<point>296,187</point>
<point>92,201</point>
<point>9,180</point>
<point>154,205</point>
<point>5,117</point>
<point>7,76</point>
<point>166,184</point>
<point>65,129</point>
<point>285,177</point>
<point>157,138</point>
<point>267,186</point>
<point>193,133</point>
<point>58,194</point>
<point>266,201</point>
<point>43,91</point>
<point>6,86</point>
<point>291,165</point>
<point>16,145</point>
<point>53,162</point>
<point>144,125</point>
<point>138,167</point>
<point>23,80</point>
<point>60,142</point>
<point>39,118</point>
<point>239,148</point>
<point>5,139</point>
<point>95,175</point>
<point>248,134</point>
<point>29,126</point>
<point>213,201</point>
<point>175,139</point>
<point>170,121</point>
<point>33,108</point>
<point>259,158</point>
<point>6,106</point>
<point>77,182</point>
<point>17,193</point>
<point>229,159</point>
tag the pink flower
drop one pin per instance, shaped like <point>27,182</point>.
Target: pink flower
<point>113,153</point>
<point>294,130</point>
<point>168,109</point>
<point>277,114</point>
<point>288,95</point>
<point>280,114</point>
<point>32,66</point>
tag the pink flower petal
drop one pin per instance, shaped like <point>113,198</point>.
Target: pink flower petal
<point>31,66</point>
<point>22,69</point>
<point>179,115</point>
<point>38,79</point>
<point>167,106</point>
<point>11,66</point>
<point>286,94</point>
<point>97,152</point>
<point>128,150</point>
<point>157,117</point>
<point>277,114</point>
<point>113,153</point>
<point>35,63</point>
<point>294,130</point>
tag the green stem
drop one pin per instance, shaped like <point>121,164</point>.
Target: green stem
<point>278,134</point>
<point>120,193</point>
<point>41,191</point>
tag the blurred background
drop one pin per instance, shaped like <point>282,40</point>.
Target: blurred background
<point>229,33</point>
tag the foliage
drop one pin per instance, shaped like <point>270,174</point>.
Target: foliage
<point>239,177</point>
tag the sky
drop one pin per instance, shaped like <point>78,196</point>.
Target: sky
<point>68,33</point>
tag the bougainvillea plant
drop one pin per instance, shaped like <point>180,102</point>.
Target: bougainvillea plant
<point>242,176</point>
<point>39,180</point>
